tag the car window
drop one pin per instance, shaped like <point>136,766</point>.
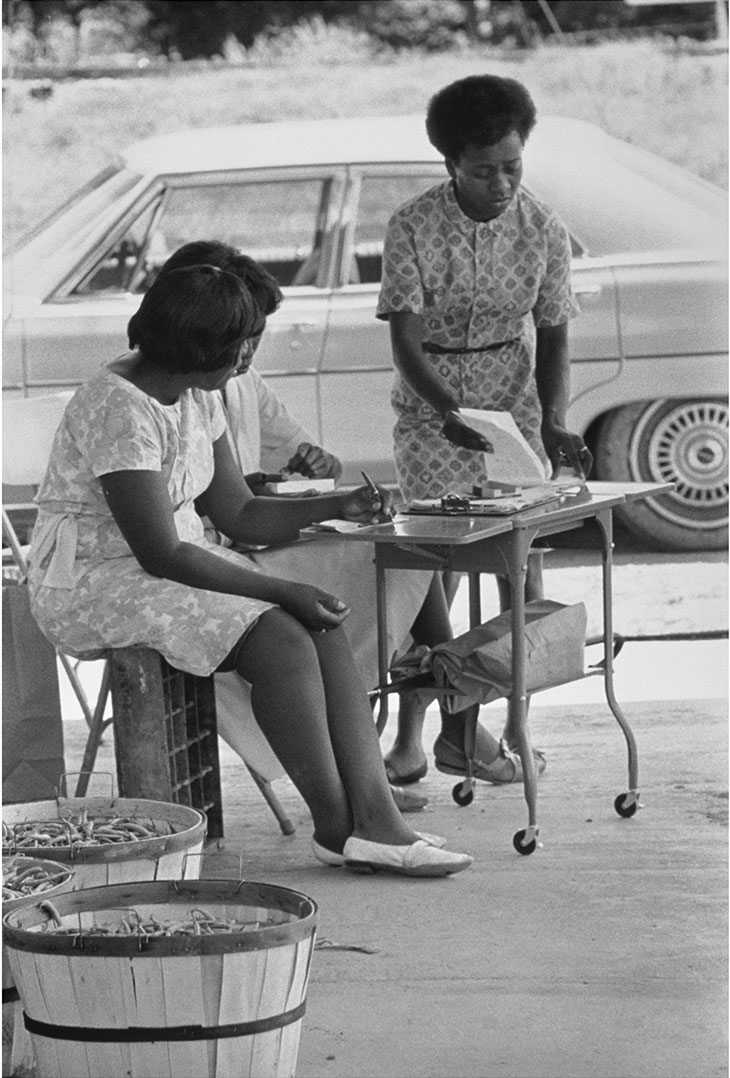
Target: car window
<point>380,196</point>
<point>280,223</point>
<point>124,263</point>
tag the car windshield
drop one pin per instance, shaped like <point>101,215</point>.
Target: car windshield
<point>623,201</point>
<point>46,254</point>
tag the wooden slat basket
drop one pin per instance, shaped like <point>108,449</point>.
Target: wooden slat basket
<point>21,1051</point>
<point>165,856</point>
<point>64,882</point>
<point>145,1005</point>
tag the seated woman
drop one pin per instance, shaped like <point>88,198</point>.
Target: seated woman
<point>266,438</point>
<point>119,558</point>
<point>263,434</point>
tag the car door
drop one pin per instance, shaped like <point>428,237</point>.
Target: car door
<point>282,218</point>
<point>357,369</point>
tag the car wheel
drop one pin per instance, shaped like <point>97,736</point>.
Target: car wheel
<point>683,442</point>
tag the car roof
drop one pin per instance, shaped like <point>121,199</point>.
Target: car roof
<point>365,140</point>
<point>295,143</point>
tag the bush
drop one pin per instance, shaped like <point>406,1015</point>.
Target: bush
<point>309,43</point>
<point>429,25</point>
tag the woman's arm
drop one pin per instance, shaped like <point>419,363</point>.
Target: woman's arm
<point>233,510</point>
<point>406,342</point>
<point>140,504</point>
<point>552,375</point>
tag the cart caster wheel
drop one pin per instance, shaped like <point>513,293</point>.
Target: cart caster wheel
<point>463,794</point>
<point>626,805</point>
<point>528,848</point>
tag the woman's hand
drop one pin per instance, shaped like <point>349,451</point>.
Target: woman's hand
<point>315,609</point>
<point>456,431</point>
<point>566,450</point>
<point>368,506</point>
<point>313,462</point>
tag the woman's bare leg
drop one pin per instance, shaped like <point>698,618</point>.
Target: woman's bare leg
<point>433,626</point>
<point>311,704</point>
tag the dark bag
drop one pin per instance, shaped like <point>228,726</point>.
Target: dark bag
<point>32,724</point>
<point>476,667</point>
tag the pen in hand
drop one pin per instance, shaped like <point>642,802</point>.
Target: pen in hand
<point>374,490</point>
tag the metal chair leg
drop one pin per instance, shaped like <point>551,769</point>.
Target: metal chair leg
<point>97,727</point>
<point>287,827</point>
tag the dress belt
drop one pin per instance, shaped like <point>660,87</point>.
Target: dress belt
<point>439,350</point>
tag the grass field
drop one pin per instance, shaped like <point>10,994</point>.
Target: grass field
<point>656,95</point>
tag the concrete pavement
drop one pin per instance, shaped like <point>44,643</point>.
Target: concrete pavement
<point>602,955</point>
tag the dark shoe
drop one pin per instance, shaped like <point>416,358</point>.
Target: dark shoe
<point>506,768</point>
<point>406,780</point>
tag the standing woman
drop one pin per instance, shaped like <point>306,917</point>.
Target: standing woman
<point>476,288</point>
<point>119,558</point>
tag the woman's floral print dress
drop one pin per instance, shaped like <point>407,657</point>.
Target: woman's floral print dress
<point>481,287</point>
<point>88,591</point>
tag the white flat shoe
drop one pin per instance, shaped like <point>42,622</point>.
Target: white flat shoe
<point>408,800</point>
<point>418,859</point>
<point>327,857</point>
<point>335,860</point>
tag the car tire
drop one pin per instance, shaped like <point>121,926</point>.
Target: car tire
<point>683,442</point>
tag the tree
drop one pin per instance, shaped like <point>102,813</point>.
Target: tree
<point>38,16</point>
<point>200,27</point>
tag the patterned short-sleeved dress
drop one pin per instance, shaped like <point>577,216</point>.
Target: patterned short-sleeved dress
<point>481,287</point>
<point>88,591</point>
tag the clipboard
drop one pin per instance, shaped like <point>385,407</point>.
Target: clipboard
<point>467,505</point>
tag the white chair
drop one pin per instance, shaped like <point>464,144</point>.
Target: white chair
<point>29,425</point>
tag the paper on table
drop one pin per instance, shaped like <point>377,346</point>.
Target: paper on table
<point>334,525</point>
<point>301,485</point>
<point>513,459</point>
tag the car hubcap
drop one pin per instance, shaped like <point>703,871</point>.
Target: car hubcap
<point>686,445</point>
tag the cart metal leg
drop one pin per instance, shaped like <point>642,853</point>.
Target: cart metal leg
<point>625,804</point>
<point>381,608</point>
<point>524,841</point>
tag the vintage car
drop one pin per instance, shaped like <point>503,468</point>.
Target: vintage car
<point>311,200</point>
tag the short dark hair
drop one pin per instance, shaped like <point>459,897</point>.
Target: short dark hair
<point>194,319</point>
<point>263,287</point>
<point>478,111</point>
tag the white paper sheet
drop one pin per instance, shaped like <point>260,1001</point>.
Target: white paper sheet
<point>513,459</point>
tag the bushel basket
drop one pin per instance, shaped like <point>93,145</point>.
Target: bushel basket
<point>177,831</point>
<point>198,978</point>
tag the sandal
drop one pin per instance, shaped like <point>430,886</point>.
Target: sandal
<point>506,768</point>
